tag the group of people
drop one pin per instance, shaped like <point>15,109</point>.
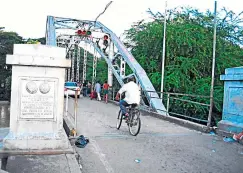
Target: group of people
<point>98,89</point>
<point>87,89</point>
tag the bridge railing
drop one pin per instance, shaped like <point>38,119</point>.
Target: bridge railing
<point>71,108</point>
<point>185,106</point>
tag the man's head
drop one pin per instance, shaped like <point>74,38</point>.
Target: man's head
<point>131,79</point>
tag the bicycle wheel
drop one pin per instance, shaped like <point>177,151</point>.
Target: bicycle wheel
<point>134,121</point>
<point>119,120</point>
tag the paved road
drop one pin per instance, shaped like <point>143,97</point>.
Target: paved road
<point>161,146</point>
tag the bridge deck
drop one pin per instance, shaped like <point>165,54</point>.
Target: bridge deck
<point>161,146</point>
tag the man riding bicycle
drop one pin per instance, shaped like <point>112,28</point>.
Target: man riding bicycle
<point>132,95</point>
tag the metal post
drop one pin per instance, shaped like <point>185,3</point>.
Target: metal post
<point>69,70</point>
<point>168,104</point>
<point>67,103</point>
<point>76,109</point>
<point>163,54</point>
<point>150,105</point>
<point>73,60</point>
<point>94,69</point>
<point>113,94</point>
<point>85,63</point>
<point>111,56</point>
<point>213,66</point>
<point>78,64</point>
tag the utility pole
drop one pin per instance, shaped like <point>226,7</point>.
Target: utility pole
<point>163,54</point>
<point>213,66</point>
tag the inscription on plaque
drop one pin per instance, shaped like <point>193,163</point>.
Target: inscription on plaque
<point>39,104</point>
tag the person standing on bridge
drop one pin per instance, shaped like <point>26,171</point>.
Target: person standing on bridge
<point>85,88</point>
<point>97,89</point>
<point>105,89</point>
<point>132,95</point>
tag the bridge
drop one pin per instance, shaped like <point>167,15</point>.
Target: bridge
<point>165,143</point>
<point>161,146</point>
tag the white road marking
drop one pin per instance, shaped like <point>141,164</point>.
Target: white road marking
<point>101,155</point>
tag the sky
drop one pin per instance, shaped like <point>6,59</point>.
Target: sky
<point>28,17</point>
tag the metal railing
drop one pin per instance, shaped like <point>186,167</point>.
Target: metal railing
<point>191,109</point>
<point>183,98</point>
<point>71,108</point>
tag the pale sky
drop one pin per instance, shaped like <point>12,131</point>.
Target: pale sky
<point>28,17</point>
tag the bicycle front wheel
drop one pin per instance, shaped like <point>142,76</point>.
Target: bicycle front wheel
<point>134,123</point>
<point>119,120</point>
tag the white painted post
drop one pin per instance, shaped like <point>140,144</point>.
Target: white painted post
<point>111,55</point>
<point>163,55</point>
<point>66,104</point>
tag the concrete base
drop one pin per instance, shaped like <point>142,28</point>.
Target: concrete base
<point>61,163</point>
<point>230,127</point>
<point>30,141</point>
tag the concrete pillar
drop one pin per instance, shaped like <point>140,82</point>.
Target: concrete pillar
<point>37,96</point>
<point>232,118</point>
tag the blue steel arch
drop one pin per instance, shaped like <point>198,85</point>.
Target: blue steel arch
<point>54,23</point>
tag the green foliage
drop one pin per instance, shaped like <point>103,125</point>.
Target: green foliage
<point>7,39</point>
<point>36,41</point>
<point>189,46</point>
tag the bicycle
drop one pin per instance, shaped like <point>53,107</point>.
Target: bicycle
<point>131,121</point>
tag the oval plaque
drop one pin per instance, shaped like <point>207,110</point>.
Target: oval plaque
<point>44,88</point>
<point>31,87</point>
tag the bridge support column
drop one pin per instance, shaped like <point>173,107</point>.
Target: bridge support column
<point>37,96</point>
<point>73,64</point>
<point>232,119</point>
<point>84,63</point>
<point>69,70</point>
<point>111,55</point>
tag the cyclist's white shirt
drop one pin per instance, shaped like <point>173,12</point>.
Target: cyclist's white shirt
<point>132,93</point>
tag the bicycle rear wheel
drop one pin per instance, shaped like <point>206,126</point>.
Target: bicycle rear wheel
<point>134,123</point>
<point>119,120</point>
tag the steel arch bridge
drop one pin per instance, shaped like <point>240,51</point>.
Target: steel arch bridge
<point>69,33</point>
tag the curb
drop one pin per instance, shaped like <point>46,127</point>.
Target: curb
<point>74,159</point>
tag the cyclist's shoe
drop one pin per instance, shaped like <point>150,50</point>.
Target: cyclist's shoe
<point>125,116</point>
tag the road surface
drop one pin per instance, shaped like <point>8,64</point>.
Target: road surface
<point>160,147</point>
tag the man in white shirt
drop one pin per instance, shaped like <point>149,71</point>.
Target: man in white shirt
<point>97,88</point>
<point>132,95</point>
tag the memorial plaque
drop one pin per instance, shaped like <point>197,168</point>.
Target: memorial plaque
<point>37,99</point>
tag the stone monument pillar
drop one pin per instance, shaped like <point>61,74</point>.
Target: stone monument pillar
<point>37,98</point>
<point>232,119</point>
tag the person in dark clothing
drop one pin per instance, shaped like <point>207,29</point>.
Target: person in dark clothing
<point>85,89</point>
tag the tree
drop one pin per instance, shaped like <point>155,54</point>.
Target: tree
<point>7,40</point>
<point>41,40</point>
<point>188,53</point>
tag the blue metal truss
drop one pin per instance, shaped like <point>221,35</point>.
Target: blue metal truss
<point>55,23</point>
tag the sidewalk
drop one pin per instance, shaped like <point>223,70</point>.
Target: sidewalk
<point>62,163</point>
